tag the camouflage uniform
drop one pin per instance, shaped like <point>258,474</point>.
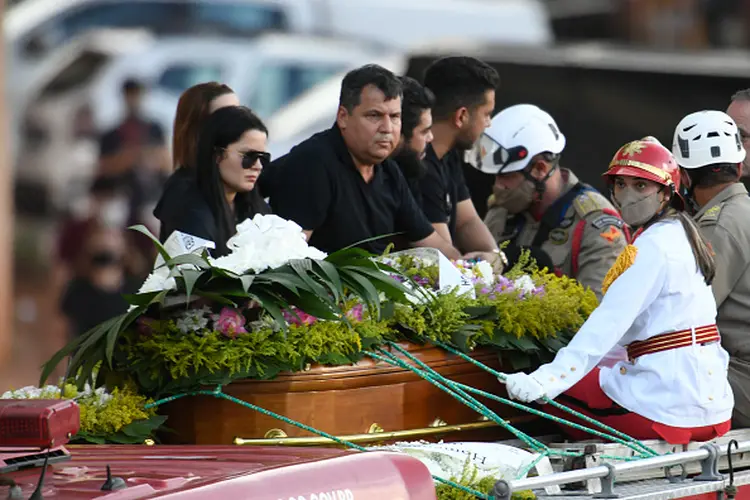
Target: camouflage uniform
<point>725,223</point>
<point>581,232</point>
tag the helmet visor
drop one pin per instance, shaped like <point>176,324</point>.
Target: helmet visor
<point>491,157</point>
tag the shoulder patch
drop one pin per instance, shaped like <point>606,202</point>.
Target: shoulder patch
<point>589,201</point>
<point>606,220</point>
<point>710,215</point>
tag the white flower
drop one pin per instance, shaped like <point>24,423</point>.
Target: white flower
<point>193,320</point>
<point>265,242</point>
<point>33,392</point>
<point>158,281</point>
<point>525,284</point>
<point>483,270</point>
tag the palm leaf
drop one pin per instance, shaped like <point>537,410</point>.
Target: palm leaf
<point>303,269</point>
<point>144,230</point>
<point>328,274</point>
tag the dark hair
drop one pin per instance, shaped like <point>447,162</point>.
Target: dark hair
<point>704,257</point>
<point>223,127</point>
<point>712,175</point>
<point>741,95</point>
<point>192,110</point>
<point>131,85</point>
<point>369,74</point>
<point>459,82</point>
<point>417,99</point>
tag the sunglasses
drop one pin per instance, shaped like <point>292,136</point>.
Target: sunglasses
<point>250,158</point>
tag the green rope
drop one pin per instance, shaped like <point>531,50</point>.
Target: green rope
<point>464,398</point>
<point>586,418</point>
<point>555,419</point>
<point>218,393</point>
<point>393,360</point>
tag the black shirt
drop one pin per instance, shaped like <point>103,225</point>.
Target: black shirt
<point>443,187</point>
<point>183,208</point>
<point>318,186</point>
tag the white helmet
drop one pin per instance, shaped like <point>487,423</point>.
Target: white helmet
<point>707,138</point>
<point>516,135</point>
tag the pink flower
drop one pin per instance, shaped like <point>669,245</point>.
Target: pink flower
<point>299,317</point>
<point>356,312</point>
<point>230,322</point>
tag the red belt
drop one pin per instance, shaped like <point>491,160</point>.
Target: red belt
<point>673,340</point>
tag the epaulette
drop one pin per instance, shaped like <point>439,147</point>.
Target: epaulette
<point>591,201</point>
<point>710,216</point>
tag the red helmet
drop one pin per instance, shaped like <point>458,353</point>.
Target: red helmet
<point>647,159</point>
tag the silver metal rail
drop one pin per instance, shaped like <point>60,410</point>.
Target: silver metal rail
<point>611,471</point>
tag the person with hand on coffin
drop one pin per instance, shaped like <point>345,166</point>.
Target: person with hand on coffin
<point>341,186</point>
<point>657,304</point>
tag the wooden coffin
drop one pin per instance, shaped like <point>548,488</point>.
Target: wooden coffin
<point>354,400</point>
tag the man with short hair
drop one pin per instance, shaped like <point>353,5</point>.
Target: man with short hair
<point>416,133</point>
<point>539,206</point>
<point>340,186</point>
<point>708,147</point>
<point>464,90</point>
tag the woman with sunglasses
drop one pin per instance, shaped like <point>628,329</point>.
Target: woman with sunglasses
<point>193,109</point>
<point>230,156</point>
<point>658,305</point>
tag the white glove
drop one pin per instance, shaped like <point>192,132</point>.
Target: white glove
<point>523,387</point>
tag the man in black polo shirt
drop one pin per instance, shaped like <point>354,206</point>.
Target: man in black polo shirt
<point>339,185</point>
<point>464,90</point>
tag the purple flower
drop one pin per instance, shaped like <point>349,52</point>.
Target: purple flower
<point>484,290</point>
<point>356,312</point>
<point>230,322</point>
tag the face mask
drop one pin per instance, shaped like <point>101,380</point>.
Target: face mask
<point>636,210</point>
<point>515,200</point>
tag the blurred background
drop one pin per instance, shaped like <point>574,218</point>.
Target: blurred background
<point>91,88</point>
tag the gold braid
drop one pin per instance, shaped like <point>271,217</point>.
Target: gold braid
<point>623,262</point>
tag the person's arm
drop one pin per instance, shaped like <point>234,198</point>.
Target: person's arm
<point>472,235</point>
<point>628,296</point>
<point>601,243</point>
<point>433,201</point>
<point>434,240</point>
<point>729,259</point>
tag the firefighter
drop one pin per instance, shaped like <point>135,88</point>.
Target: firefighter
<point>657,304</point>
<point>539,205</point>
<point>708,147</point>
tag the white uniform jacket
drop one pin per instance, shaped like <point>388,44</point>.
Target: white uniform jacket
<point>661,292</point>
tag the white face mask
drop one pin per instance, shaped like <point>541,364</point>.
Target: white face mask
<point>637,209</point>
<point>114,213</point>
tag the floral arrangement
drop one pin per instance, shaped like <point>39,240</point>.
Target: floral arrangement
<point>202,321</point>
<point>118,416</point>
<point>269,273</point>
